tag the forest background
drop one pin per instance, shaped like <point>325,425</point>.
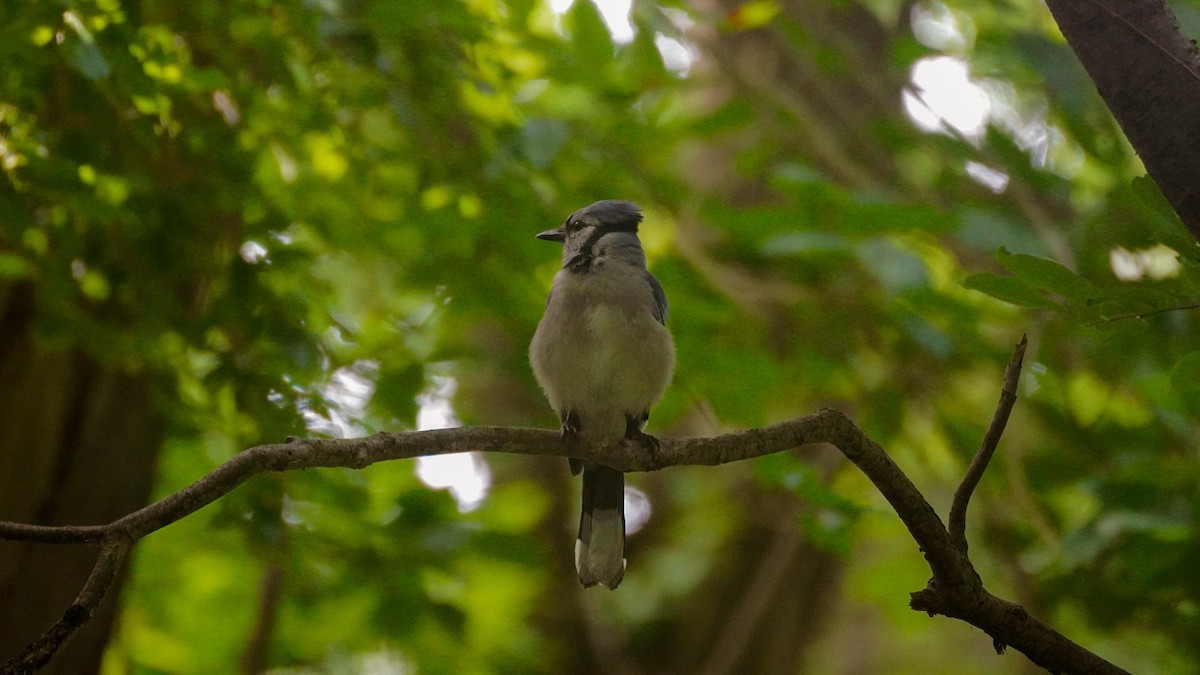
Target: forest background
<point>222,224</point>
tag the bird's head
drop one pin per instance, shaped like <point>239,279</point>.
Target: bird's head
<point>584,228</point>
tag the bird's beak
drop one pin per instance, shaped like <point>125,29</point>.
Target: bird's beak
<point>556,234</point>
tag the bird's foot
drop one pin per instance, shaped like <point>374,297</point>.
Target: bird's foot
<point>649,444</point>
<point>571,438</point>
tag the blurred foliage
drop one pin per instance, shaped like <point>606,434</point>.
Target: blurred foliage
<point>316,216</point>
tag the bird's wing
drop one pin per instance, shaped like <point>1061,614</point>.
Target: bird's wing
<point>660,299</point>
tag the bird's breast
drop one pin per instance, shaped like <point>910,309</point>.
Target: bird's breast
<point>599,350</point>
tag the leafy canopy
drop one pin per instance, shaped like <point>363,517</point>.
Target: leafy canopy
<point>317,217</point>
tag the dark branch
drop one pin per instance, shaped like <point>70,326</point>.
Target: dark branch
<point>1010,625</point>
<point>1147,72</point>
<point>955,590</point>
<point>962,496</point>
<point>826,426</point>
<point>37,654</point>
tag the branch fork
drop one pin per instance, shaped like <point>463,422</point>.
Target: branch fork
<point>955,590</point>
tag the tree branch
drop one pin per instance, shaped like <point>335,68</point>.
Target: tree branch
<point>955,589</point>
<point>37,654</point>
<point>962,496</point>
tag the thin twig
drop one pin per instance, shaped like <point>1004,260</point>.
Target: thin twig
<point>1143,315</point>
<point>962,496</point>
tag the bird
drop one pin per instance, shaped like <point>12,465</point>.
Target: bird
<point>603,356</point>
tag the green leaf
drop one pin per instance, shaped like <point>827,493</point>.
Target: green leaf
<point>1148,193</point>
<point>89,60</point>
<point>897,269</point>
<point>733,114</point>
<point>1165,223</point>
<point>1009,289</point>
<point>806,242</point>
<point>14,266</point>
<point>590,35</point>
<point>396,391</point>
<point>753,14</point>
<point>542,138</point>
<point>94,285</point>
<point>1045,274</point>
<point>1185,376</point>
<point>871,219</point>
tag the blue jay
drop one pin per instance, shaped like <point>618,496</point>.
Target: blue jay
<point>603,355</point>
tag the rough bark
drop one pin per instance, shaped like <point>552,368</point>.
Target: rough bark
<point>1148,73</point>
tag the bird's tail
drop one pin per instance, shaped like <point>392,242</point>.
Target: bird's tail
<point>600,550</point>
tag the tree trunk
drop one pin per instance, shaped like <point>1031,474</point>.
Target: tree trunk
<point>78,441</point>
